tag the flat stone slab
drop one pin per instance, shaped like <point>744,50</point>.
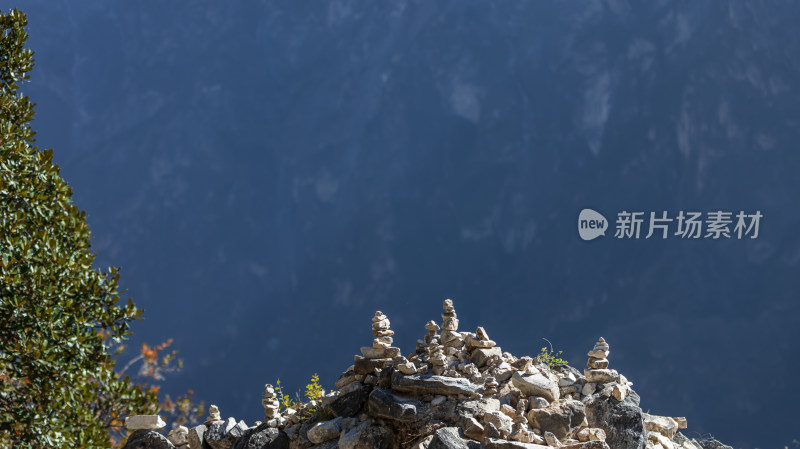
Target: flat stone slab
<point>367,366</point>
<point>144,422</point>
<point>431,384</point>
<point>601,376</point>
<point>494,443</point>
<point>384,404</point>
<point>536,385</point>
<point>380,353</point>
<point>596,444</point>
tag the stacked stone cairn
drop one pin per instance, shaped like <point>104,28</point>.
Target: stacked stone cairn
<point>458,390</point>
<point>436,357</point>
<point>598,377</point>
<point>381,354</point>
<point>213,415</point>
<point>272,407</point>
<point>490,386</point>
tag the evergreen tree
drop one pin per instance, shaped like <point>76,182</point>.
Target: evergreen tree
<point>58,384</point>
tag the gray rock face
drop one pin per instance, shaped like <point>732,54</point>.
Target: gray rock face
<point>384,404</point>
<point>538,402</point>
<point>262,437</point>
<point>366,436</point>
<point>468,409</point>
<point>147,439</point>
<point>217,434</point>
<point>560,417</point>
<point>623,422</point>
<point>430,384</point>
<point>536,385</point>
<point>448,438</point>
<point>350,404</point>
<point>196,439</point>
<point>238,430</point>
<point>500,421</point>
<point>480,356</point>
<point>345,378</point>
<point>325,431</point>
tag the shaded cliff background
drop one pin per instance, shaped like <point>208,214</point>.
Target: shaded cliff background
<point>268,174</point>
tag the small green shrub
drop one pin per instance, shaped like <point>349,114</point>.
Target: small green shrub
<point>314,391</point>
<point>305,410</point>
<point>551,358</point>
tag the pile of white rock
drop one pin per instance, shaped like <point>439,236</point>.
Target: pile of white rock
<point>458,390</point>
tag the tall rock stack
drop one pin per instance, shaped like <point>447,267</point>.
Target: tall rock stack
<point>431,337</point>
<point>269,400</point>
<point>382,352</point>
<point>381,332</point>
<point>597,372</point>
<point>436,358</point>
<point>427,340</point>
<point>598,356</point>
<point>450,335</point>
<point>427,346</point>
<point>452,340</point>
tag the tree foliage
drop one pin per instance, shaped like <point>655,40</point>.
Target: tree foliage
<point>58,384</point>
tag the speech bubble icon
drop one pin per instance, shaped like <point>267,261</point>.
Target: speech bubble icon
<point>591,224</point>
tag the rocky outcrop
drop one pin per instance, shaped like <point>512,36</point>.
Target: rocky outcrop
<point>459,390</point>
<point>262,437</point>
<point>562,418</point>
<point>622,422</point>
<point>147,439</point>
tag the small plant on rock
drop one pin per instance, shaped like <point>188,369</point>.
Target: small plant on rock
<point>286,401</point>
<point>314,391</point>
<point>305,410</point>
<point>550,357</point>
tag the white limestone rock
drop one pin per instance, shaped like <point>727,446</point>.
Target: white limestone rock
<point>144,422</point>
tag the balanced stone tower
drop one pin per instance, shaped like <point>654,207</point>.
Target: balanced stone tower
<point>452,340</point>
<point>381,354</point>
<point>597,371</point>
<point>213,415</point>
<point>269,400</point>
